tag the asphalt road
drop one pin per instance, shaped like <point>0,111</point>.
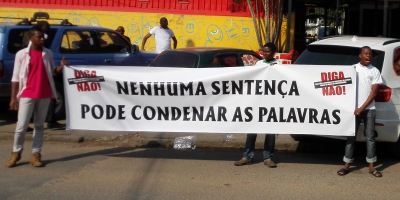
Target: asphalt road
<point>91,171</point>
<point>105,170</point>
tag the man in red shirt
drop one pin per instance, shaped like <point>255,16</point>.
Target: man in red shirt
<point>32,88</point>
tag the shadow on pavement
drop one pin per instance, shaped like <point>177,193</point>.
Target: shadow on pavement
<point>321,148</point>
<point>104,152</point>
<point>312,152</point>
<point>232,155</point>
<point>228,155</point>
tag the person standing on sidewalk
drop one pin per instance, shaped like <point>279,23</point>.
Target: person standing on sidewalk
<point>51,118</point>
<point>268,51</point>
<point>32,88</point>
<point>368,80</point>
<point>163,36</point>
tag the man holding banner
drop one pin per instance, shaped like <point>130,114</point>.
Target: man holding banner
<point>368,81</point>
<point>268,52</point>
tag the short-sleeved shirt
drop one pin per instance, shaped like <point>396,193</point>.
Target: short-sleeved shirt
<point>264,62</point>
<point>366,77</point>
<point>163,38</point>
<point>37,85</point>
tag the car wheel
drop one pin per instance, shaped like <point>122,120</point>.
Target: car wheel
<point>302,138</point>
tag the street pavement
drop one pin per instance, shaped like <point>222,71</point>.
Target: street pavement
<point>96,171</point>
<point>120,165</point>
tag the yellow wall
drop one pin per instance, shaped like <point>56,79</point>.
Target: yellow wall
<point>190,30</point>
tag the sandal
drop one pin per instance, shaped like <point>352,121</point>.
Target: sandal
<point>376,173</point>
<point>343,171</point>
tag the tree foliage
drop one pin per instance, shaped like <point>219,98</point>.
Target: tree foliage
<point>267,17</point>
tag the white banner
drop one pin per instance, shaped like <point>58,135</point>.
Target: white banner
<point>283,99</point>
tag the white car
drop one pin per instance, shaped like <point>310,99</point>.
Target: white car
<point>344,50</point>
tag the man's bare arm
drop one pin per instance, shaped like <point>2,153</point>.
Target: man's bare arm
<point>14,101</point>
<point>175,41</point>
<point>371,97</point>
<point>145,40</point>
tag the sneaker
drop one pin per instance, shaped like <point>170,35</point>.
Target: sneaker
<point>55,125</point>
<point>37,160</point>
<point>15,157</point>
<point>243,161</point>
<point>270,163</point>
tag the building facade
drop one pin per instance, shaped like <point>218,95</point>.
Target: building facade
<point>222,23</point>
<point>196,23</point>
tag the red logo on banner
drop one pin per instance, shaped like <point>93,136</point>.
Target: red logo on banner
<point>86,86</point>
<point>333,89</point>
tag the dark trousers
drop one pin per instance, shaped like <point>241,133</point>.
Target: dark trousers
<point>269,146</point>
<point>56,109</point>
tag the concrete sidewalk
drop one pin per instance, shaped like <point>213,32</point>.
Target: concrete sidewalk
<point>148,139</point>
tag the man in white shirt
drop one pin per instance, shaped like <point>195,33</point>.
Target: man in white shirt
<point>368,80</point>
<point>268,52</point>
<point>163,36</point>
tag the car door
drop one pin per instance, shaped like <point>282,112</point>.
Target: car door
<point>12,40</point>
<point>114,46</point>
<point>80,47</point>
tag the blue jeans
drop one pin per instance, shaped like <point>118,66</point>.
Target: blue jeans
<point>368,117</point>
<point>269,146</point>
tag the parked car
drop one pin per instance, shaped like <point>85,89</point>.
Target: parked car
<point>80,45</point>
<point>344,50</point>
<point>202,57</point>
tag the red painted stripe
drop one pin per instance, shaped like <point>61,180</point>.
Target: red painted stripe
<point>166,6</point>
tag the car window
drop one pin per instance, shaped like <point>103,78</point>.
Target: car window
<point>224,60</point>
<point>75,41</point>
<point>110,42</point>
<point>18,39</point>
<point>249,59</point>
<point>336,55</point>
<point>175,59</point>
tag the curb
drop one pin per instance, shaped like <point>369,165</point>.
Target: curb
<point>148,139</point>
<point>154,140</point>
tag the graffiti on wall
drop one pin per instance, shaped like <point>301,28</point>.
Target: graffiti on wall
<point>190,30</point>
